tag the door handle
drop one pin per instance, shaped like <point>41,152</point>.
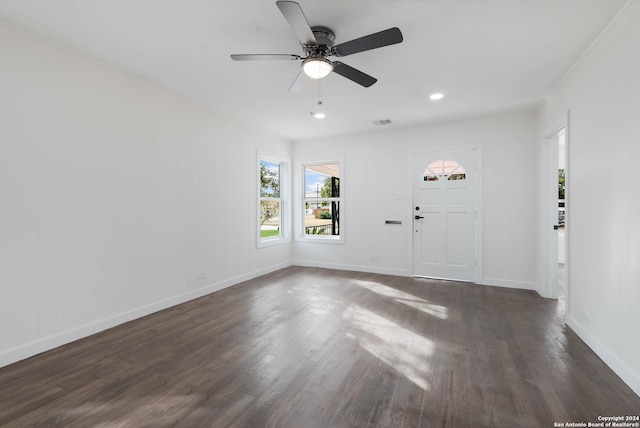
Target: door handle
<point>418,217</point>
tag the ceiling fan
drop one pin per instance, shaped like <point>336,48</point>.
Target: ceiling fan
<point>317,43</point>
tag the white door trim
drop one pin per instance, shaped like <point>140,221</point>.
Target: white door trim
<point>479,197</point>
<point>549,286</point>
<point>550,215</point>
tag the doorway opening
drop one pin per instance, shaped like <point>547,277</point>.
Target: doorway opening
<point>562,215</point>
<point>556,207</point>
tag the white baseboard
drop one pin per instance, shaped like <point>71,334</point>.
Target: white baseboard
<point>20,353</point>
<point>404,272</point>
<point>620,368</point>
<point>356,268</point>
<point>521,285</point>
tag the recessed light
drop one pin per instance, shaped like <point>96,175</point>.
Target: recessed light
<point>318,114</point>
<point>436,96</point>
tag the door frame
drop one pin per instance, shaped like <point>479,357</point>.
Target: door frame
<point>549,286</point>
<point>479,198</point>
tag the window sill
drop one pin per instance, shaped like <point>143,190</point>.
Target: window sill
<point>264,243</point>
<point>321,239</point>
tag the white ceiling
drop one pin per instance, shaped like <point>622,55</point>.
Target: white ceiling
<point>484,55</point>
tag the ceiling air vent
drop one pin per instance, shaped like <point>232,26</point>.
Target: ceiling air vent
<point>382,122</point>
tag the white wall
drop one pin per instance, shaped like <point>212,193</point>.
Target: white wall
<point>114,195</point>
<point>376,188</point>
<point>602,93</point>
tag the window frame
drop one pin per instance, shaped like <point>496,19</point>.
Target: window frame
<point>302,199</point>
<point>284,199</point>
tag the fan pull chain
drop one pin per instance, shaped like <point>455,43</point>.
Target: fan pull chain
<point>316,112</point>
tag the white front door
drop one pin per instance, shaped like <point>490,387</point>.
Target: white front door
<point>444,202</point>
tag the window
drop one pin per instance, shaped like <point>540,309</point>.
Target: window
<point>322,201</point>
<point>271,200</point>
<point>444,169</point>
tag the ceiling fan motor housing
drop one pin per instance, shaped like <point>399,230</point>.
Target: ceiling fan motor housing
<point>325,38</point>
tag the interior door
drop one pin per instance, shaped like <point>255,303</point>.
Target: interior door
<point>444,198</point>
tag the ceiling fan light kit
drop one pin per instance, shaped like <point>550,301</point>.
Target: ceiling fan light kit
<point>317,68</point>
<point>317,43</point>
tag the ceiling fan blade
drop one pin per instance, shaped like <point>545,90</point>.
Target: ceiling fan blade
<point>372,41</point>
<point>263,57</point>
<point>351,73</point>
<point>299,82</point>
<point>298,22</point>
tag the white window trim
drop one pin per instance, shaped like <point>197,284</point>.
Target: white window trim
<point>299,191</point>
<point>285,199</point>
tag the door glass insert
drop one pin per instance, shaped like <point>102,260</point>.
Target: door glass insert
<point>444,169</point>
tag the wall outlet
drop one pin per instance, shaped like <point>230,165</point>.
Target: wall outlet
<point>202,274</point>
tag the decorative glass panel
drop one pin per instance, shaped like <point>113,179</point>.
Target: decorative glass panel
<point>444,168</point>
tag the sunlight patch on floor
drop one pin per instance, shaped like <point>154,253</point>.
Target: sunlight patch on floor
<point>321,304</point>
<point>437,311</point>
<point>400,348</point>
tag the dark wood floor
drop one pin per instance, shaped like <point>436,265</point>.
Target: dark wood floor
<point>307,347</point>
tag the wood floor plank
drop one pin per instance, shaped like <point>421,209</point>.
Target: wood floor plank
<point>310,347</point>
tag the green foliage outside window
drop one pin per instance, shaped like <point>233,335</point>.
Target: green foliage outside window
<point>561,179</point>
<point>270,190</point>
